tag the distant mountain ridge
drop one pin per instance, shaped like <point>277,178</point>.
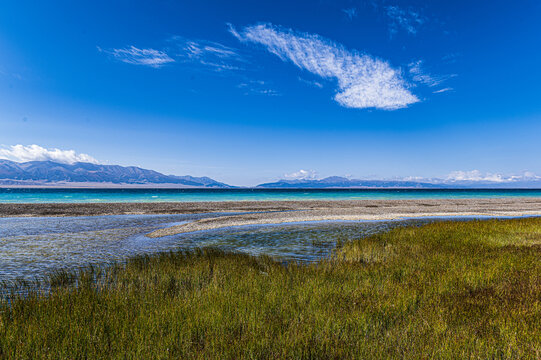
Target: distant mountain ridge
<point>342,182</point>
<point>81,174</point>
<point>34,173</point>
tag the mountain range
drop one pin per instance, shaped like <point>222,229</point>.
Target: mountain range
<point>49,173</point>
<point>82,174</point>
<point>342,182</point>
<point>433,183</point>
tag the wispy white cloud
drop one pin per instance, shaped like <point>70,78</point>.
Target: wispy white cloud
<point>363,81</point>
<point>22,153</point>
<point>451,57</point>
<point>302,175</point>
<point>350,13</point>
<point>258,87</point>
<point>406,19</point>
<point>419,75</point>
<point>311,82</point>
<point>249,90</point>
<point>9,74</point>
<point>474,175</point>
<point>268,92</point>
<point>442,90</point>
<point>210,54</point>
<point>466,177</point>
<point>147,57</point>
<point>478,176</point>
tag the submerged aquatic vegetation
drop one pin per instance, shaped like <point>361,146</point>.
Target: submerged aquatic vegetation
<point>443,290</point>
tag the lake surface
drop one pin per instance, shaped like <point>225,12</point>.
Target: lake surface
<point>166,195</point>
<point>32,247</point>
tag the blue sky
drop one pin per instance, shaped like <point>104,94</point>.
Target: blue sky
<point>251,91</point>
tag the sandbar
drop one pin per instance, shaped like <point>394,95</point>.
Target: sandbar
<point>276,212</point>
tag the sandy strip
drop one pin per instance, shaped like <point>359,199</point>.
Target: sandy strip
<point>275,212</point>
<point>369,207</point>
<point>317,215</point>
<point>148,208</point>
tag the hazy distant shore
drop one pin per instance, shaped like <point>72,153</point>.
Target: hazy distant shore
<point>275,212</point>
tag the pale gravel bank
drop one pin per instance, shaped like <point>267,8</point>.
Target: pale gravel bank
<point>388,212</point>
<point>275,212</point>
<point>370,207</point>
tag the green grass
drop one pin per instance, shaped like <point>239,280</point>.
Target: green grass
<point>445,290</point>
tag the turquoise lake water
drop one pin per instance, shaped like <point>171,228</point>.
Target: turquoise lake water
<point>157,195</point>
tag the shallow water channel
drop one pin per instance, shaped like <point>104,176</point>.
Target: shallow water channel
<point>32,247</point>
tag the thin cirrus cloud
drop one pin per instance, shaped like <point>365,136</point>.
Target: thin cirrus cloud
<point>363,81</point>
<point>406,19</point>
<point>201,55</point>
<point>311,82</point>
<point>442,90</point>
<point>136,56</point>
<point>350,13</point>
<point>419,75</point>
<point>209,54</point>
<point>23,153</point>
<point>257,87</point>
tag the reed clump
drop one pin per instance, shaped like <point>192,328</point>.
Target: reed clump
<point>445,290</point>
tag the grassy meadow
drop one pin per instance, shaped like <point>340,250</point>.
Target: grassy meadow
<point>446,290</point>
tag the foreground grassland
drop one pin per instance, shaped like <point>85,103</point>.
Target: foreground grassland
<point>445,290</point>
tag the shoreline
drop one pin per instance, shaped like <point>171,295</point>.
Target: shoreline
<point>277,218</point>
<point>485,206</point>
<point>277,212</point>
